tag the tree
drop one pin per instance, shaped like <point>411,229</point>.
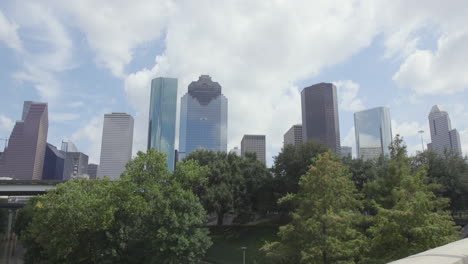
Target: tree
<point>146,217</point>
<point>450,171</point>
<point>233,183</point>
<point>323,223</point>
<point>410,218</point>
<point>293,162</point>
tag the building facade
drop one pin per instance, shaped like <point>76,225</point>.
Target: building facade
<point>235,150</point>
<point>373,129</point>
<point>92,170</point>
<point>116,146</point>
<point>320,120</point>
<point>23,159</point>
<point>293,136</point>
<point>443,137</point>
<point>162,117</point>
<point>203,117</point>
<point>254,144</point>
<point>54,162</point>
<point>76,166</point>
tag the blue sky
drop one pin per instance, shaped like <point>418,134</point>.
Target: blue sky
<point>86,58</point>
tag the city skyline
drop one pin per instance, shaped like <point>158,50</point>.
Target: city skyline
<point>398,61</point>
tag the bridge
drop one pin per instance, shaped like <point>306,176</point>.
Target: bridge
<point>26,187</point>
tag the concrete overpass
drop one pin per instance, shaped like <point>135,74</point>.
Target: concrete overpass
<point>26,187</point>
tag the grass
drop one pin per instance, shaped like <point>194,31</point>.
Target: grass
<point>228,240</point>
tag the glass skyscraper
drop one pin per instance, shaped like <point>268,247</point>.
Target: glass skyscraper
<point>203,117</point>
<point>373,130</point>
<point>320,120</point>
<point>162,117</point>
<point>443,137</point>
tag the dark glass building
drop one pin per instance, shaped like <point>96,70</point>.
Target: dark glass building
<point>203,117</point>
<point>320,120</point>
<point>162,117</point>
<point>53,163</point>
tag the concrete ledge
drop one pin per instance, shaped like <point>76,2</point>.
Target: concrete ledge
<point>453,253</point>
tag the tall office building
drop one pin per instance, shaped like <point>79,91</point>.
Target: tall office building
<point>320,120</point>
<point>293,136</point>
<point>23,159</point>
<point>92,170</point>
<point>254,144</point>
<point>162,117</point>
<point>373,129</point>
<point>203,117</point>
<point>116,146</point>
<point>53,163</point>
<point>76,166</point>
<point>443,137</point>
<point>346,152</point>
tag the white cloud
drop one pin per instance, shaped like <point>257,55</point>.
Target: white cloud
<point>348,96</point>
<point>464,141</point>
<point>114,29</point>
<point>350,140</point>
<point>52,52</point>
<point>6,124</point>
<point>90,135</point>
<point>8,33</point>
<point>408,129</point>
<point>61,117</point>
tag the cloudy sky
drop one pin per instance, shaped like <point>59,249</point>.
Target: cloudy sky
<point>86,58</point>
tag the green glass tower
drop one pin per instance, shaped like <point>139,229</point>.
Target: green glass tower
<point>162,117</point>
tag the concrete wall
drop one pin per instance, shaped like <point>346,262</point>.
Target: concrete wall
<point>453,253</point>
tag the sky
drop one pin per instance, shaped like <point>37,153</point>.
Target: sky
<point>86,58</point>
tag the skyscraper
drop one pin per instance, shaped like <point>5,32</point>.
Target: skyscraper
<point>92,170</point>
<point>373,129</point>
<point>254,144</point>
<point>53,163</point>
<point>162,117</point>
<point>293,136</point>
<point>24,157</point>
<point>320,115</point>
<point>443,137</point>
<point>116,147</point>
<point>203,117</point>
<point>76,166</point>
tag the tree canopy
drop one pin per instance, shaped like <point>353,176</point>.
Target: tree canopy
<point>146,217</point>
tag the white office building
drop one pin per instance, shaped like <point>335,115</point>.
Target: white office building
<point>254,144</point>
<point>293,136</point>
<point>116,148</point>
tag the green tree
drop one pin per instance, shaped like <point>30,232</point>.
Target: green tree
<point>323,226</point>
<point>232,184</point>
<point>293,162</point>
<point>410,218</point>
<point>146,217</point>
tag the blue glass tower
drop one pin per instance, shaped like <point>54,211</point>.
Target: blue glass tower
<point>162,117</point>
<point>203,117</point>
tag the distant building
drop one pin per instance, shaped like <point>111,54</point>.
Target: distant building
<point>236,150</point>
<point>254,144</point>
<point>76,166</point>
<point>116,146</point>
<point>293,136</point>
<point>373,129</point>
<point>346,152</point>
<point>54,163</point>
<point>203,117</point>
<point>320,120</point>
<point>443,137</point>
<point>68,146</point>
<point>24,157</point>
<point>162,117</point>
<point>92,170</point>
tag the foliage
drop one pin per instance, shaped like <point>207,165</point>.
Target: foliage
<point>322,229</point>
<point>450,171</point>
<point>233,183</point>
<point>146,217</point>
<point>293,162</point>
<point>410,217</point>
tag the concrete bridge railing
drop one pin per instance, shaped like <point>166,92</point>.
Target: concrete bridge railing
<point>453,253</point>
